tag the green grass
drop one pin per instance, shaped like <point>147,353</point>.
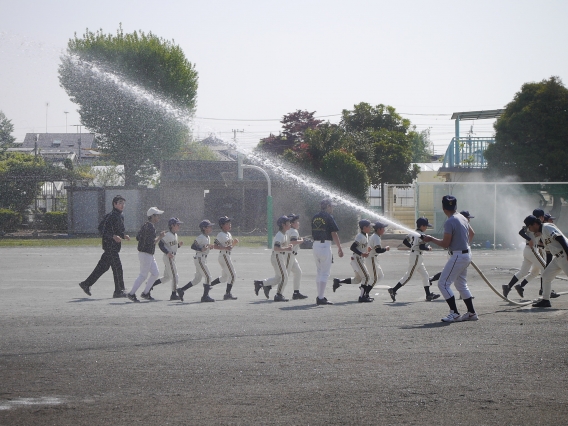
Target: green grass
<point>248,241</point>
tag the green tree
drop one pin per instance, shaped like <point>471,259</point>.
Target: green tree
<point>136,92</point>
<point>531,138</point>
<point>353,179</point>
<point>21,176</point>
<point>6,129</point>
<point>421,146</point>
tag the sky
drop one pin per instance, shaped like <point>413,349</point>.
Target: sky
<point>259,60</point>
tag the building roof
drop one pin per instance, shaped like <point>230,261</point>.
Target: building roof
<point>63,141</point>
<point>478,115</point>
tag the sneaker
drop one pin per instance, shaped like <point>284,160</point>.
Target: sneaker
<point>180,293</point>
<point>554,295</point>
<point>279,298</point>
<point>118,294</point>
<point>267,289</point>
<point>146,296</point>
<point>520,290</point>
<point>85,288</point>
<point>452,316</point>
<point>365,299</point>
<point>543,303</point>
<point>229,296</point>
<point>133,297</point>
<point>468,316</point>
<point>174,296</point>
<point>257,286</point>
<point>506,289</point>
<point>432,296</point>
<point>392,294</point>
<point>207,299</point>
<point>323,301</point>
<point>298,296</point>
<point>336,284</point>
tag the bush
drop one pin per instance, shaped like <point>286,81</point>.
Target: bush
<point>55,221</point>
<point>9,220</point>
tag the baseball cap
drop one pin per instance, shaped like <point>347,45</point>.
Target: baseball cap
<point>204,224</point>
<point>223,220</point>
<point>364,222</point>
<point>378,225</point>
<point>530,219</point>
<point>153,211</point>
<point>548,217</point>
<point>466,214</point>
<point>174,221</point>
<point>422,221</point>
<point>326,202</point>
<point>293,217</point>
<point>449,202</point>
<point>538,212</point>
<point>282,220</point>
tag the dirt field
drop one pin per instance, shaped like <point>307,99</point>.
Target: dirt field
<point>68,359</point>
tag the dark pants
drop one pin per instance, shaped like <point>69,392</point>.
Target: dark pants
<point>109,259</point>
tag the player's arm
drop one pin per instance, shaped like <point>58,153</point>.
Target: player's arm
<point>562,241</point>
<point>337,242</point>
<point>355,248</point>
<point>523,233</point>
<point>163,247</point>
<point>295,241</point>
<point>159,237</point>
<point>378,249</point>
<point>278,247</point>
<point>218,246</point>
<point>472,234</point>
<point>444,242</point>
<point>406,242</point>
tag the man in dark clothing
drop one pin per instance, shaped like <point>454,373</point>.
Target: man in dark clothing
<point>112,235</point>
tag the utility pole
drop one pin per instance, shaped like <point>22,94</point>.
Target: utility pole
<point>80,126</point>
<point>65,112</point>
<point>235,134</point>
<point>46,107</point>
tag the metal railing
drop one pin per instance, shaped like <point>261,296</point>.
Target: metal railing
<point>467,153</point>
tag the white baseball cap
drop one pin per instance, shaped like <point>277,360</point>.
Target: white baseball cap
<point>154,210</point>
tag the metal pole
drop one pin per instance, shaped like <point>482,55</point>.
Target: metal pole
<point>495,218</point>
<point>268,201</point>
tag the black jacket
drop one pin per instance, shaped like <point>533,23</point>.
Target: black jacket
<point>146,237</point>
<point>114,225</point>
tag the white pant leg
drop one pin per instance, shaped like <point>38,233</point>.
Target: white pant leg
<point>455,271</point>
<point>201,270</point>
<point>322,256</point>
<point>361,273</point>
<point>558,264</point>
<point>294,267</point>
<point>280,272</point>
<point>414,262</point>
<point>170,272</point>
<point>148,265</point>
<point>228,275</point>
<point>375,270</point>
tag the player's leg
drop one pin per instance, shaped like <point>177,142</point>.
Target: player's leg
<point>413,261</point>
<point>102,266</point>
<point>229,275</point>
<point>297,271</point>
<point>281,277</point>
<point>117,274</point>
<point>145,260</point>
<point>154,274</point>
<point>547,276</point>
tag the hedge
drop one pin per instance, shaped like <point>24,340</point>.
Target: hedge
<point>55,221</point>
<point>9,220</point>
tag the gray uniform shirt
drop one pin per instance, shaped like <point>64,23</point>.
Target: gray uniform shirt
<point>458,226</point>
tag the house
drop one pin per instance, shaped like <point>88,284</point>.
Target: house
<point>55,147</point>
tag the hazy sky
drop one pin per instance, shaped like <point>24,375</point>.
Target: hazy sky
<point>258,60</point>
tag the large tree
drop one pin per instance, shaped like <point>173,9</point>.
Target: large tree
<point>6,129</point>
<point>531,138</point>
<point>135,91</point>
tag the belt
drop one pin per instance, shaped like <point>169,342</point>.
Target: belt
<point>323,241</point>
<point>559,254</point>
<point>462,252</point>
<point>416,251</point>
<point>278,252</point>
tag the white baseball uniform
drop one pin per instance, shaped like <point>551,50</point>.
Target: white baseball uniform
<point>373,260</point>
<point>170,243</point>
<point>292,265</point>
<point>200,259</point>
<point>532,261</point>
<point>415,260</point>
<point>278,260</point>
<point>559,261</point>
<point>225,239</point>
<point>362,275</point>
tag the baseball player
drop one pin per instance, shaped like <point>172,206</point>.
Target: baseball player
<point>280,250</point>
<point>457,236</point>
<point>147,241</point>
<point>360,249</point>
<point>202,246</point>
<point>112,232</point>
<point>532,262</point>
<point>225,243</point>
<point>552,238</point>
<point>292,264</point>
<point>169,245</point>
<point>373,260</point>
<point>417,246</point>
<point>547,255</point>
<point>324,229</point>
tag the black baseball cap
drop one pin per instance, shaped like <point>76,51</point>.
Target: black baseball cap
<point>538,212</point>
<point>293,217</point>
<point>530,219</point>
<point>422,221</point>
<point>548,217</point>
<point>449,202</point>
<point>378,225</point>
<point>466,214</point>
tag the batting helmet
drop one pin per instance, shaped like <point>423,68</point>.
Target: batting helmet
<point>204,224</point>
<point>223,220</point>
